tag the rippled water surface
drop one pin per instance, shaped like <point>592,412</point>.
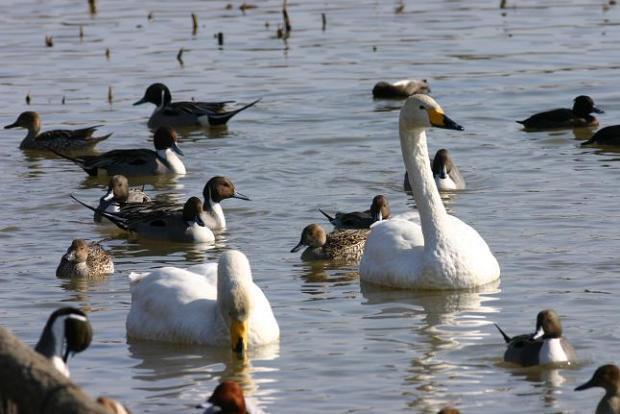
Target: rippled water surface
<point>547,207</point>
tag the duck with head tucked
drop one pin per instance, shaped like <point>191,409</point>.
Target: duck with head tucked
<point>66,333</point>
<point>220,306</point>
<point>346,245</point>
<point>379,210</point>
<point>608,378</point>
<point>227,398</point>
<point>545,346</point>
<point>580,115</point>
<point>56,139</point>
<point>185,114</point>
<point>401,89</point>
<point>85,260</point>
<point>430,249</point>
<point>136,162</point>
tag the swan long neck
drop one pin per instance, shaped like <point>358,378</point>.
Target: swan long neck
<point>432,211</point>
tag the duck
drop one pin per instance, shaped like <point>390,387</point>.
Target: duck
<point>217,189</point>
<point>578,116</point>
<point>610,135</point>
<point>446,173</point>
<point>185,114</point>
<point>227,398</point>
<point>184,226</point>
<point>57,139</point>
<point>112,406</point>
<point>118,195</point>
<point>66,333</point>
<point>340,245</point>
<point>431,249</point>
<point>379,210</point>
<point>401,89</point>
<point>136,162</point>
<point>545,346</point>
<point>219,306</point>
<point>607,377</point>
<point>85,260</point>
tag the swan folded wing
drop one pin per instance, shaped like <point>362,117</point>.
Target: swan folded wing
<point>175,305</point>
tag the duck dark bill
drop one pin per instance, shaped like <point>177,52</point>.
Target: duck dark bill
<point>241,196</point>
<point>440,120</point>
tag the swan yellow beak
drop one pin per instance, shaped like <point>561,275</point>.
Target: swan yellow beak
<point>239,336</point>
<point>438,119</point>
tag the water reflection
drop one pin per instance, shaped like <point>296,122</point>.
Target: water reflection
<point>320,275</point>
<point>442,323</point>
<point>187,372</point>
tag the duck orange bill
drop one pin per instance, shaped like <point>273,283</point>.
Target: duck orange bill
<point>439,120</point>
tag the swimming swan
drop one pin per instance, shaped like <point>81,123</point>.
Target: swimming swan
<point>441,252</point>
<point>216,305</point>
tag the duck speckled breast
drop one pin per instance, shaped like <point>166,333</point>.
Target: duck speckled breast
<point>346,244</point>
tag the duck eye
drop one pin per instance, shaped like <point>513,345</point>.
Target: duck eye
<point>422,107</point>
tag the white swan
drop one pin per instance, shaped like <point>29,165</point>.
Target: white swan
<point>215,304</point>
<point>441,252</point>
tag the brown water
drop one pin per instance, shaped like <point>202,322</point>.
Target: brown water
<point>547,207</point>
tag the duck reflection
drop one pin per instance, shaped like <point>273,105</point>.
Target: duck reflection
<point>320,275</point>
<point>443,322</point>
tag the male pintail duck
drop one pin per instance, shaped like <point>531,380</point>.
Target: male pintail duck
<point>185,114</point>
<point>216,190</point>
<point>118,195</point>
<point>57,139</point>
<point>112,406</point>
<point>218,305</point>
<point>340,245</point>
<point>608,378</point>
<point>578,116</point>
<point>431,249</point>
<point>136,162</point>
<point>545,346</point>
<point>185,226</point>
<point>609,135</point>
<point>446,173</point>
<point>227,398</point>
<point>66,332</point>
<point>401,89</point>
<point>379,210</point>
<point>85,259</point>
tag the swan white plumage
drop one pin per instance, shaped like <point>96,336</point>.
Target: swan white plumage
<point>211,304</point>
<point>433,250</point>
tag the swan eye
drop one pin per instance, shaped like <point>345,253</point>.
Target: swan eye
<point>422,107</point>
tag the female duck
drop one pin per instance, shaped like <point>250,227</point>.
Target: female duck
<point>608,378</point>
<point>545,346</point>
<point>85,259</point>
<point>56,139</point>
<point>441,252</point>
<point>578,116</point>
<point>379,210</point>
<point>185,114</point>
<point>339,245</point>
<point>220,307</point>
<point>118,195</point>
<point>136,162</point>
<point>446,173</point>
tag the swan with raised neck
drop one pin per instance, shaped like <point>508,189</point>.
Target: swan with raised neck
<point>435,250</point>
